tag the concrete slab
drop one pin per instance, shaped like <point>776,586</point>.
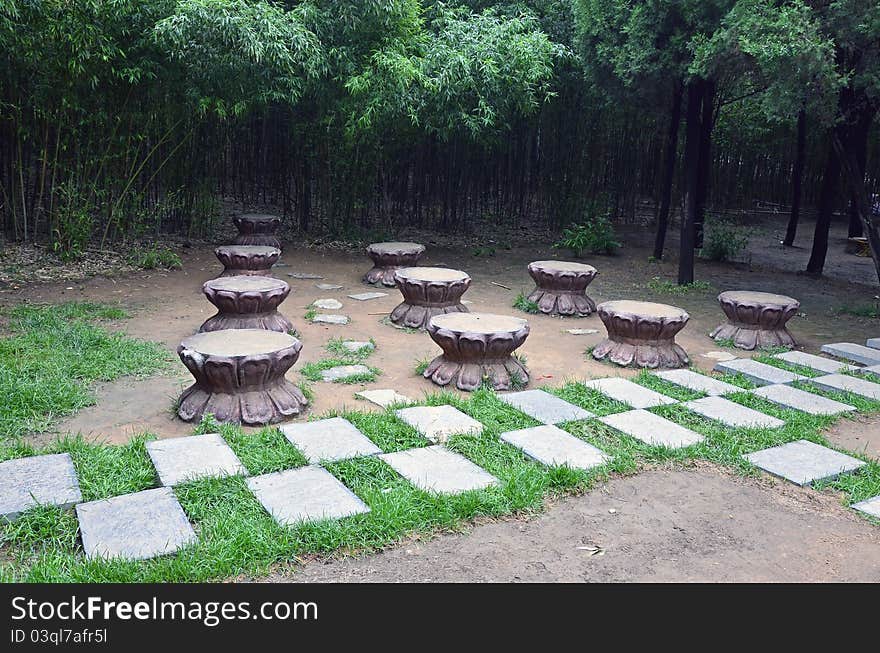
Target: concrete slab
<point>629,393</point>
<point>553,447</point>
<point>846,383</point>
<point>37,480</point>
<point>807,402</point>
<point>437,469</point>
<point>544,407</point>
<point>438,423</point>
<point>803,462</point>
<point>758,373</point>
<point>330,318</point>
<point>341,372</point>
<point>818,363</point>
<point>652,429</point>
<point>327,304</point>
<point>366,296</point>
<point>732,414</point>
<point>383,397</point>
<point>329,439</point>
<point>698,382</point>
<point>853,352</point>
<point>869,506</point>
<point>178,460</point>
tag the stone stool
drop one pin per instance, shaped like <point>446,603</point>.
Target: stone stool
<point>239,376</point>
<point>756,319</point>
<point>388,257</point>
<point>257,229</point>
<point>246,302</point>
<point>478,346</point>
<point>247,259</point>
<point>428,292</point>
<point>560,287</point>
<point>641,334</point>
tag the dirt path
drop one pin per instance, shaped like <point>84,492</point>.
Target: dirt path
<point>695,525</point>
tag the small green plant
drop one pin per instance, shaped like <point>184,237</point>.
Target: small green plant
<point>484,251</point>
<point>152,258</point>
<point>335,346</point>
<point>312,371</point>
<point>723,239</point>
<point>525,304</point>
<point>659,285</point>
<point>861,310</point>
<point>422,365</point>
<point>595,236</point>
<point>310,314</point>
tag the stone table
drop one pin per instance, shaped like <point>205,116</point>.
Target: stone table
<point>641,334</point>
<point>240,260</point>
<point>257,229</point>
<point>246,302</point>
<point>477,346</point>
<point>388,257</point>
<point>428,292</point>
<point>756,319</point>
<point>239,376</point>
<point>560,287</point>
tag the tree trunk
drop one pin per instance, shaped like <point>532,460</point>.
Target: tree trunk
<point>827,197</point>
<point>706,122</point>
<point>858,144</point>
<point>668,170</point>
<point>797,178</point>
<point>695,89</point>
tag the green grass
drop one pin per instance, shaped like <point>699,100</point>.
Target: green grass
<point>236,536</point>
<point>668,287</point>
<point>662,386</point>
<point>312,371</point>
<point>310,314</point>
<point>422,365</point>
<point>523,303</point>
<point>785,365</point>
<point>335,347</point>
<point>53,356</point>
<point>860,310</point>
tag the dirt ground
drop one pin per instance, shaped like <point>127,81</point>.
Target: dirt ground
<point>699,524</point>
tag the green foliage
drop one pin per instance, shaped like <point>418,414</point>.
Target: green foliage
<point>595,236</point>
<point>523,303</point>
<point>312,371</point>
<point>723,240</point>
<point>150,258</point>
<point>667,287</point>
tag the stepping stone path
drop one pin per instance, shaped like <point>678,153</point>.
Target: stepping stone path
<point>803,462</point>
<point>328,286</point>
<point>758,373</point>
<point>355,346</point>
<point>329,318</point>
<point>813,362</point>
<point>845,383</point>
<point>652,429</point>
<point>190,458</point>
<point>544,407</point>
<point>853,352</point>
<point>302,275</point>
<point>136,526</point>
<point>37,480</point>
<point>329,439</point>
<point>327,304</point>
<point>437,423</point>
<point>698,382</point>
<point>807,402</point>
<point>732,414</point>
<point>341,372</point>
<point>383,398</point>
<point>873,343</point>
<point>869,506</point>
<point>629,393</point>
<point>553,447</point>
<point>437,469</point>
<point>364,296</point>
<point>305,494</point>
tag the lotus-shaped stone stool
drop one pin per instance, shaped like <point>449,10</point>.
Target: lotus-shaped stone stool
<point>246,302</point>
<point>560,287</point>
<point>478,346</point>
<point>247,259</point>
<point>641,334</point>
<point>388,257</point>
<point>428,292</point>
<point>239,376</point>
<point>257,229</point>
<point>756,319</point>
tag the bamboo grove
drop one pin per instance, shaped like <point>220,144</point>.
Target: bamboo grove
<point>125,119</point>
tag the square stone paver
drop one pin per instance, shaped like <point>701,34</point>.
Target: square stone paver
<point>732,414</point>
<point>807,402</point>
<point>383,397</point>
<point>872,372</point>
<point>355,346</point>
<point>544,407</point>
<point>818,363</point>
<point>305,494</point>
<point>552,446</point>
<point>330,318</point>
<point>873,343</point>
<point>136,526</point>
<point>629,393</point>
<point>437,469</point>
<point>758,373</point>
<point>853,352</point>
<point>698,382</point>
<point>437,423</point>
<point>329,439</point>
<point>869,506</point>
<point>37,480</point>
<point>328,286</point>
<point>652,429</point>
<point>341,372</point>
<point>302,275</point>
<point>327,304</point>
<point>846,383</point>
<point>364,296</point>
<point>189,458</point>
<point>803,462</point>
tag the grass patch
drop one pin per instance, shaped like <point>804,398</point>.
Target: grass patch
<point>55,353</point>
<point>310,314</point>
<point>665,387</point>
<point>768,359</point>
<point>422,365</point>
<point>668,287</point>
<point>860,310</point>
<point>150,258</point>
<point>525,304</point>
<point>312,371</point>
<point>335,347</point>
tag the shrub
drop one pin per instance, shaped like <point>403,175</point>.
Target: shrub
<point>155,257</point>
<point>723,240</point>
<point>595,235</point>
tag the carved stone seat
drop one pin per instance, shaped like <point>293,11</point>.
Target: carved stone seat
<point>388,257</point>
<point>246,260</point>
<point>560,287</point>
<point>257,229</point>
<point>246,302</point>
<point>641,334</point>
<point>428,292</point>
<point>756,319</point>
